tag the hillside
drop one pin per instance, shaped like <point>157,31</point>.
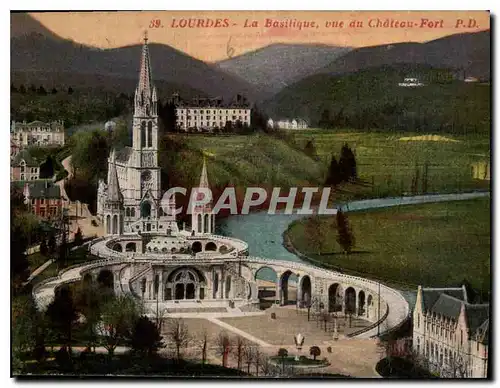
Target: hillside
<point>278,65</point>
<point>469,53</point>
<point>241,161</point>
<point>37,53</point>
<point>371,99</point>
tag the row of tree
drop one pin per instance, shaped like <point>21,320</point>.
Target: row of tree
<point>36,90</point>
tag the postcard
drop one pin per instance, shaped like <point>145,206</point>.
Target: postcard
<point>251,194</point>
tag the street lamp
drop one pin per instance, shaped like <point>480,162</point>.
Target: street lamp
<point>299,341</point>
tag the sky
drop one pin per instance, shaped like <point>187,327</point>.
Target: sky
<point>213,42</point>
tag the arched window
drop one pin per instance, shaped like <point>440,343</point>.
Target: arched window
<point>132,212</point>
<point>206,224</point>
<point>199,223</point>
<point>150,134</point>
<point>418,345</point>
<point>143,134</point>
<point>127,212</point>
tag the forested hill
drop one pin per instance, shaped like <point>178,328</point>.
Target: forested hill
<point>372,98</point>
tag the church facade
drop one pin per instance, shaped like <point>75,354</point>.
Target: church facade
<point>130,199</point>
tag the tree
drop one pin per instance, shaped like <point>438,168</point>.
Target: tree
<point>223,346</point>
<point>315,233</point>
<point>22,89</point>
<point>315,351</point>
<point>78,238</point>
<point>258,119</point>
<point>145,337</point>
<point>325,121</point>
<point>334,174</point>
<point>249,355</point>
<point>18,244</point>
<point>264,364</point>
<point>241,344</point>
<point>345,237</point>
<point>118,318</point>
<point>310,150</point>
<point>51,245</point>
<point>70,90</point>
<point>89,300</point>
<point>283,354</point>
<point>54,91</point>
<point>24,325</point>
<point>203,344</point>
<point>61,314</point>
<point>347,164</point>
<point>178,333</point>
<point>43,248</point>
<point>41,90</point>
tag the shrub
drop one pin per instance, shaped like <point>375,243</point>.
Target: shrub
<point>273,315</point>
<point>329,349</point>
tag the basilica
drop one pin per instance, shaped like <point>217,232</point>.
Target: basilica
<point>130,200</point>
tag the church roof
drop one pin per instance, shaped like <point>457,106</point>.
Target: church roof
<point>114,193</point>
<point>448,302</point>
<point>123,155</point>
<point>28,159</point>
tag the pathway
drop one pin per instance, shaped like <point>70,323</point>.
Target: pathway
<point>40,269</point>
<point>241,333</point>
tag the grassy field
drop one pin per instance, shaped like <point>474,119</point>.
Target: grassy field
<point>383,160</point>
<point>433,244</point>
<point>240,161</point>
<point>390,164</point>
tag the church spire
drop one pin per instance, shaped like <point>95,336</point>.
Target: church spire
<point>145,79</point>
<point>114,192</point>
<point>145,93</point>
<point>204,176</point>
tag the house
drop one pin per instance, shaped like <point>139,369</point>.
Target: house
<point>38,133</point>
<point>287,124</point>
<point>410,83</point>
<point>450,334</point>
<point>43,198</point>
<point>25,167</point>
<point>209,113</point>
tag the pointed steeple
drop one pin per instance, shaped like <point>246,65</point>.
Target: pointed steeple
<point>145,79</point>
<point>114,192</point>
<point>145,93</point>
<point>204,176</point>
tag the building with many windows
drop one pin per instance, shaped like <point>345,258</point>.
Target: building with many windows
<point>43,198</point>
<point>25,167</point>
<point>209,113</point>
<point>451,334</point>
<point>38,133</point>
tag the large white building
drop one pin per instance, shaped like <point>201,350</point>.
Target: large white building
<point>451,334</point>
<point>209,113</point>
<point>37,133</point>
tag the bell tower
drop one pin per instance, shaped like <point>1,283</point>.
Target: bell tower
<point>146,175</point>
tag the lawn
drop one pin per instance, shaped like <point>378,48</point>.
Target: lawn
<point>435,245</point>
<point>386,164</point>
<point>390,164</point>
